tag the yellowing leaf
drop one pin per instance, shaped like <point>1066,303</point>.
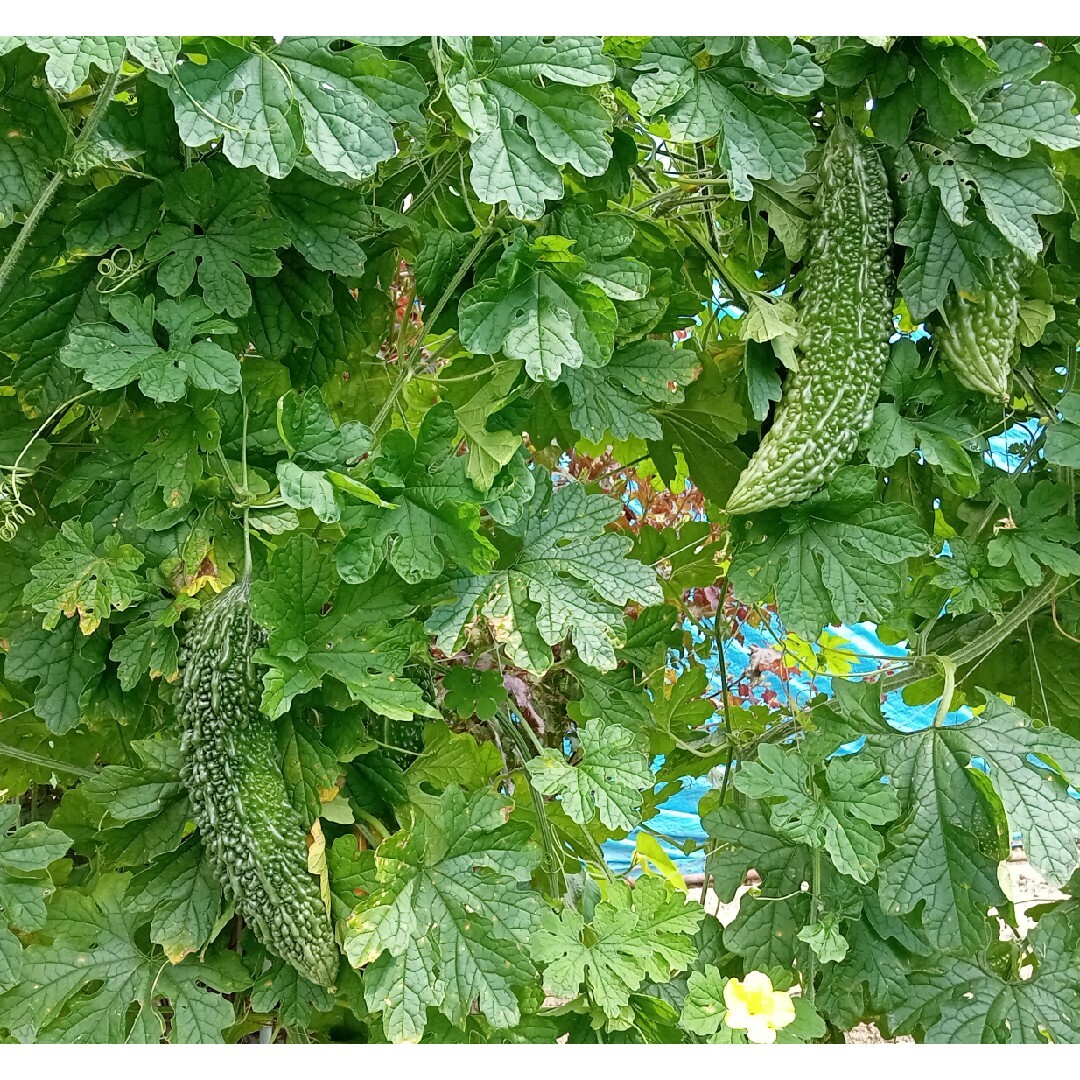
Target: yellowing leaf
<point>74,576</point>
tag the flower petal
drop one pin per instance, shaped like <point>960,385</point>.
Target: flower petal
<point>759,1030</point>
<point>757,982</point>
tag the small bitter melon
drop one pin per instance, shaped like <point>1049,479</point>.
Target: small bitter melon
<point>254,837</point>
<point>977,333</point>
<point>845,312</point>
<point>404,740</point>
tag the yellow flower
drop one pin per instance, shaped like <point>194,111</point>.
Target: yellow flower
<point>754,1006</point>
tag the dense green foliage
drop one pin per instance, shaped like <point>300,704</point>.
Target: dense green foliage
<point>370,418</point>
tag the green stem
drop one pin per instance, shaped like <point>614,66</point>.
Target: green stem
<point>247,493</point>
<point>406,370</point>
<point>721,663</point>
<point>44,762</point>
<point>422,195</point>
<point>815,914</point>
<point>370,826</point>
<point>31,223</point>
<point>1032,452</point>
<point>46,197</point>
<point>1033,601</point>
<point>948,669</point>
<point>95,95</point>
<point>550,863</point>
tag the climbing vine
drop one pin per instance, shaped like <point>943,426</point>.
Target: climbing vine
<point>448,368</point>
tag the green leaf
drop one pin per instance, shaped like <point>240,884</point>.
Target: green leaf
<point>824,937</point>
<point>304,489</point>
<point>450,922</point>
<point>110,358</point>
<point>352,875</point>
<point>440,254</point>
<point>762,380</point>
<point>472,692</point>
<point>786,67</point>
<point>489,451</point>
<point>141,810</point>
<point>287,308</point>
<point>1034,665</point>
<point>37,325</point>
<point>33,134</point>
<point>600,242</point>
<point>703,1010</point>
<point>1013,192</point>
<point>840,820</point>
<point>627,939</point>
<point>10,959</point>
<point>353,642</point>
<point>450,758</point>
<point>764,931</point>
<point>973,582</point>
<point>608,781</point>
<point>310,768</point>
<point>669,920</point>
<point>536,314</point>
<point>890,436</point>
<point>265,106</point>
<point>81,986</point>
<point>149,646</point>
<point>942,251</point>
<point>324,223</point>
<point>966,1002</point>
<point>1036,535</point>
<point>435,514</point>
<point>569,577</point>
<point>198,1015</point>
<point>25,854</point>
<point>64,664</point>
<point>619,397</point>
<point>75,577</point>
<point>32,847</point>
<point>1063,438</point>
<point>284,990</point>
<point>539,81</point>
<point>1023,112</point>
<point>838,557</point>
<point>181,894</point>
<point>216,231</point>
<point>124,793</point>
<point>290,600</point>
<point>762,137</point>
<point>70,58</point>
<point>940,857</point>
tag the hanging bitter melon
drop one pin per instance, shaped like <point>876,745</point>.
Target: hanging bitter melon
<point>845,311</point>
<point>977,333</point>
<point>254,837</point>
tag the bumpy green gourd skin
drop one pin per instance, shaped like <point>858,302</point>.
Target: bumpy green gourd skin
<point>846,308</point>
<point>405,738</point>
<point>977,334</point>
<point>252,833</point>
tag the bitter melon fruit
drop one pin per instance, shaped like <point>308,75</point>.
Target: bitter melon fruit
<point>845,312</point>
<point>254,837</point>
<point>977,334</point>
<point>404,739</point>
